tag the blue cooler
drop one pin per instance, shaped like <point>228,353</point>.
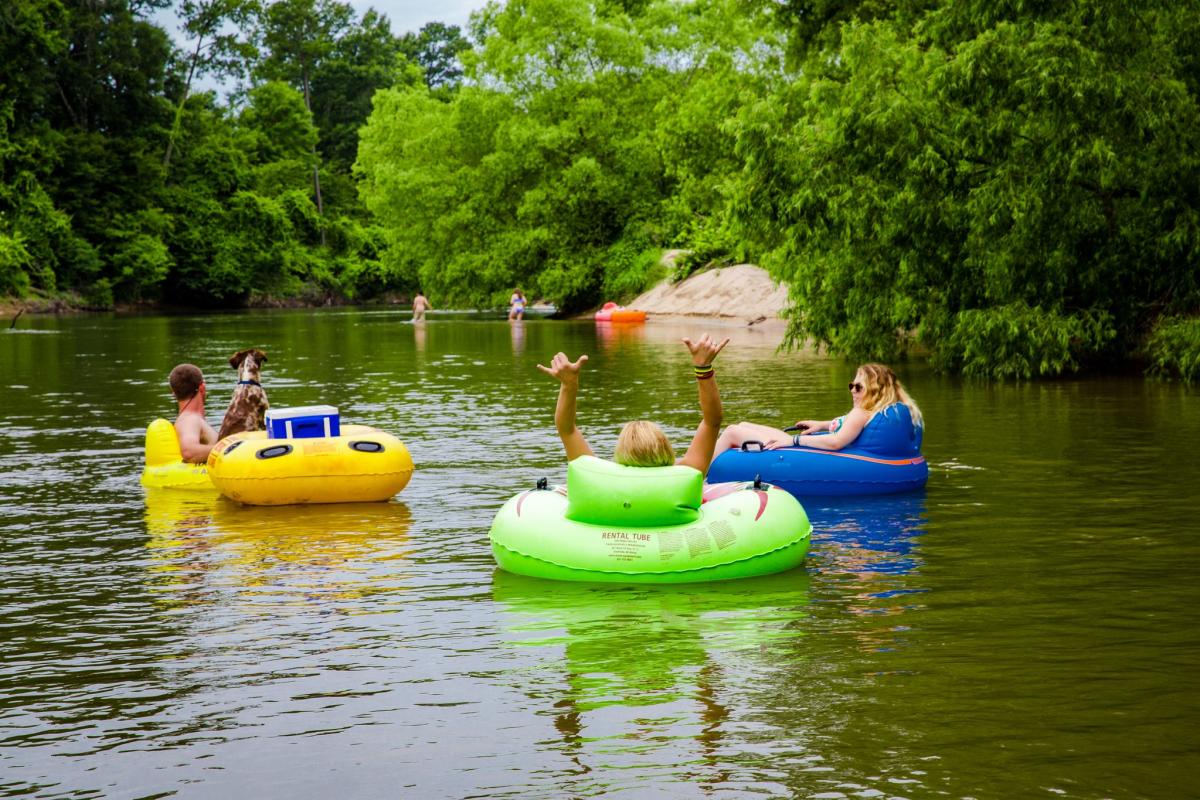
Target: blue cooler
<point>305,422</point>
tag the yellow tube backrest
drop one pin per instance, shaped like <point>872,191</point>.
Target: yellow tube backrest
<point>162,444</point>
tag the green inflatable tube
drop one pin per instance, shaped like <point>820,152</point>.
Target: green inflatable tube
<point>744,532</point>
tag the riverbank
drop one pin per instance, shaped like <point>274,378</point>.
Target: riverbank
<point>743,294</point>
<point>70,303</point>
<point>739,294</point>
<point>11,307</point>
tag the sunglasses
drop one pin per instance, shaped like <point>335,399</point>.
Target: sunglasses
<point>855,387</point>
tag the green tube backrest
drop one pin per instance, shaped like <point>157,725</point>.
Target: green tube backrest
<point>603,493</point>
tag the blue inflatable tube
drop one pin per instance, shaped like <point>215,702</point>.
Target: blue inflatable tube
<point>807,472</point>
<point>884,459</point>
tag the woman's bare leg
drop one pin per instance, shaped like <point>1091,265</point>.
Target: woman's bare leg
<point>735,435</point>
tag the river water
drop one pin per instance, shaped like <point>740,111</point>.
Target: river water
<point>1024,628</point>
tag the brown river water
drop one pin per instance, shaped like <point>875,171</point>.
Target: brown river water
<point>1023,628</point>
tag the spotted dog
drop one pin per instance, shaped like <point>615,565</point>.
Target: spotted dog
<point>248,408</point>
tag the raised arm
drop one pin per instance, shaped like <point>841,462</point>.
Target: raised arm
<point>700,452</point>
<point>566,372</point>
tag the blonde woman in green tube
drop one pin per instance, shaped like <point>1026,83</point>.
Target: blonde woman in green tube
<point>643,443</point>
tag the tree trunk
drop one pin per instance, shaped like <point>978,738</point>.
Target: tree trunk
<point>187,88</point>
<point>316,163</point>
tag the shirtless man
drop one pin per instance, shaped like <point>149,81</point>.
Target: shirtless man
<point>196,436</point>
<point>420,306</point>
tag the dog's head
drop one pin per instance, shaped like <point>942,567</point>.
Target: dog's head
<point>253,359</point>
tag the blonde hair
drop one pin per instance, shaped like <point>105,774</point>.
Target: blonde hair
<point>881,388</point>
<point>643,444</point>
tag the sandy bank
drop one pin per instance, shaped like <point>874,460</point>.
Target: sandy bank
<point>11,307</point>
<point>741,294</point>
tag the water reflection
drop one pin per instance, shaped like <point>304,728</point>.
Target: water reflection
<point>158,648</point>
<point>868,558</point>
<point>517,330</point>
<point>419,335</point>
<point>615,336</point>
<point>871,536</point>
<point>623,671</point>
<point>201,542</point>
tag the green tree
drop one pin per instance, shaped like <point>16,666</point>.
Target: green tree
<point>31,36</point>
<point>111,75</point>
<point>297,36</point>
<point>1015,186</point>
<point>213,49</point>
<point>436,49</point>
<point>553,167</point>
<point>281,138</point>
<point>255,251</point>
<point>15,263</point>
<point>814,26</point>
<point>367,57</point>
<point>89,109</point>
<point>96,106</point>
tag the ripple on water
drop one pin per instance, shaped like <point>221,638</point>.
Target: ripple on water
<point>1021,624</point>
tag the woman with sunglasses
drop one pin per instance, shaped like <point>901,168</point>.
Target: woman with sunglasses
<point>883,415</point>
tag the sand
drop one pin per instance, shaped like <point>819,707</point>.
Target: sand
<point>743,293</point>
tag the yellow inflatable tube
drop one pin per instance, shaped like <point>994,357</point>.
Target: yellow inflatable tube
<point>165,467</point>
<point>362,465</point>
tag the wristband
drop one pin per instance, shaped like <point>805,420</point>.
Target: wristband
<point>703,376</point>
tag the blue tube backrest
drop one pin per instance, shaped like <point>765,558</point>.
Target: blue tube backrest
<point>603,493</point>
<point>891,433</point>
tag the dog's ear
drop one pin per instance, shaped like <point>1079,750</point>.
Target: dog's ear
<point>260,356</point>
<point>237,358</point>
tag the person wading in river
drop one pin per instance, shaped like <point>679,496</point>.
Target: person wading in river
<point>420,306</point>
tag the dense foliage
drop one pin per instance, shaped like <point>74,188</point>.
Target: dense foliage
<point>586,139</point>
<point>120,182</point>
<point>1012,187</point>
<point>1174,348</point>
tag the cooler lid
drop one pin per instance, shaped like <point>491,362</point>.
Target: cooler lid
<point>301,411</point>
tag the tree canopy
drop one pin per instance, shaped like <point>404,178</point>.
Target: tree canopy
<point>584,140</point>
<point>1011,188</point>
<point>120,182</point>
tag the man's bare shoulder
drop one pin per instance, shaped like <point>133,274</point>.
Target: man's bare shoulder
<point>191,426</point>
<point>188,420</point>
